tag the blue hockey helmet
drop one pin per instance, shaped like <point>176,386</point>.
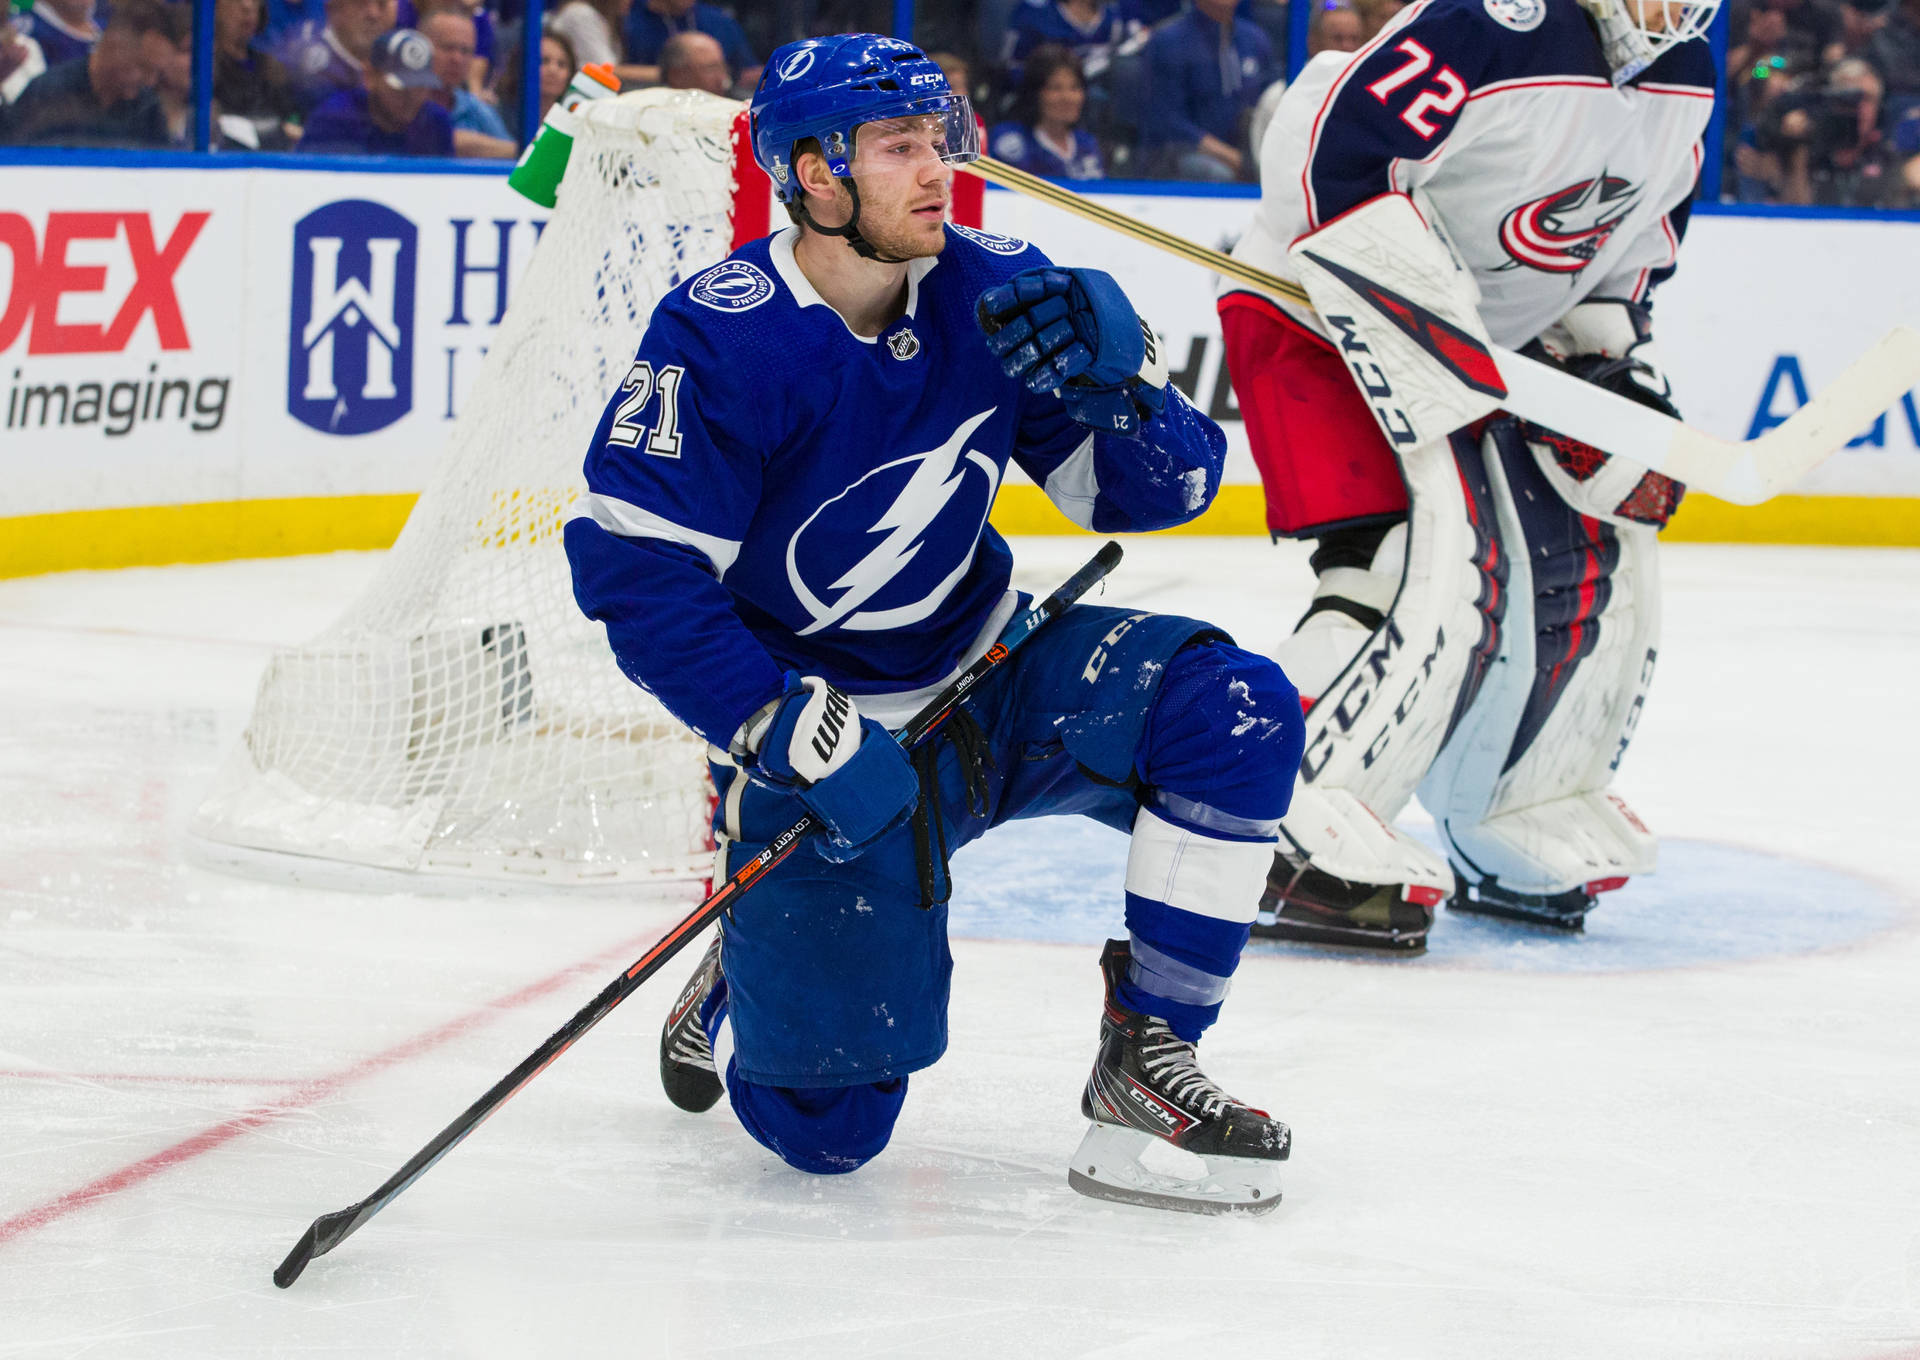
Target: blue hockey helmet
<point>825,88</point>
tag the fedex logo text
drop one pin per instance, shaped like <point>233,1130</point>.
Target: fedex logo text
<point>43,274</point>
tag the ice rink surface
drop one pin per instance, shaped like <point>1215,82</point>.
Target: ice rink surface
<point>1694,1131</point>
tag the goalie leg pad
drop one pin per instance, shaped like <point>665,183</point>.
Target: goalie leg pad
<point>1344,874</point>
<point>1520,790</point>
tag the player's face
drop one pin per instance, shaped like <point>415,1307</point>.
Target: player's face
<point>904,185</point>
<point>1654,16</point>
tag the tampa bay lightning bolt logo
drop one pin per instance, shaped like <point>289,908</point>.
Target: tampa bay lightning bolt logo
<point>999,245</point>
<point>796,65</point>
<point>1563,231</point>
<point>848,563</point>
<point>731,287</point>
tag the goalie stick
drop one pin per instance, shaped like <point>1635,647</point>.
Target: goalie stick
<point>1745,472</point>
<point>330,1230</point>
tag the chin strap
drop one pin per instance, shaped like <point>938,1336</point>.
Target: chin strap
<point>851,232</point>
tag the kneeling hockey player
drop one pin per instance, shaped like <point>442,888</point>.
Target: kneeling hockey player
<point>786,537</point>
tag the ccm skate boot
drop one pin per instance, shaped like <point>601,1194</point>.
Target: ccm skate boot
<point>1308,904</point>
<point>1146,1084</point>
<point>686,1054</point>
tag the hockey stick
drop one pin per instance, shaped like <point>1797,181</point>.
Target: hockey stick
<point>330,1230</point>
<point>1743,471</point>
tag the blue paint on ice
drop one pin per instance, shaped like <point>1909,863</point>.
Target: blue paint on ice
<point>1061,880</point>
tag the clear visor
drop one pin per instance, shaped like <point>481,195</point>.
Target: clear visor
<point>942,128</point>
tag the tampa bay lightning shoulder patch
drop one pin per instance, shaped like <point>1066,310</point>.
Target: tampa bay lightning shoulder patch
<point>731,286</point>
<point>999,245</point>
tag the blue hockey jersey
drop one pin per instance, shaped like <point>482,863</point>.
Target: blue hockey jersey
<point>769,491</point>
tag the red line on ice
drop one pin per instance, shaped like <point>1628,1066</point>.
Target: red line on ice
<point>307,1093</point>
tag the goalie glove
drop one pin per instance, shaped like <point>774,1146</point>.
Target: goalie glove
<point>845,769</point>
<point>1609,343</point>
<point>1074,332</point>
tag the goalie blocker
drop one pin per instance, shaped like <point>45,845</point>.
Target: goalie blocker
<point>1486,617</point>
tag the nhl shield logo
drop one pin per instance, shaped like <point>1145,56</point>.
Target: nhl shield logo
<point>904,343</point>
<point>350,340</point>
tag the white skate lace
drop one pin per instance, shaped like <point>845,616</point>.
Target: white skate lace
<point>1170,1061</point>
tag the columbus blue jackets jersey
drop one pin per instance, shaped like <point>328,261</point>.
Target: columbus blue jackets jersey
<point>769,491</point>
<point>1501,120</point>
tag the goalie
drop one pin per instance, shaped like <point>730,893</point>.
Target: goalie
<point>1486,615</point>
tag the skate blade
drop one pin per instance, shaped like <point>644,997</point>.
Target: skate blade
<point>1569,922</point>
<point>1405,943</point>
<point>1107,1166</point>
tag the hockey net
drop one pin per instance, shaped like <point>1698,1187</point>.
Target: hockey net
<point>462,718</point>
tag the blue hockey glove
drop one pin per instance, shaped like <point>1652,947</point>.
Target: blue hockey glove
<point>1074,332</point>
<point>845,769</point>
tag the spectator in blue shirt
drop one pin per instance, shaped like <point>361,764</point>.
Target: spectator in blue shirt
<point>477,126</point>
<point>390,114</point>
<point>1044,136</point>
<point>322,59</point>
<point>1087,28</point>
<point>64,29</point>
<point>1206,71</point>
<point>651,22</point>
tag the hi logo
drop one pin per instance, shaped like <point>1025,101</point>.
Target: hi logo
<point>42,274</point>
<point>350,342</point>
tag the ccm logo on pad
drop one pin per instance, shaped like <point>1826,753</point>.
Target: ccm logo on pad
<point>42,276</point>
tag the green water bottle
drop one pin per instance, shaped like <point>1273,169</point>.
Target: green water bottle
<point>537,176</point>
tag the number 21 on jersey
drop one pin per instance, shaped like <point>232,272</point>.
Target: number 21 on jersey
<point>641,383</point>
<point>1444,95</point>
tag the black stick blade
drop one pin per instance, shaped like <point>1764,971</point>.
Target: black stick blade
<point>322,1236</point>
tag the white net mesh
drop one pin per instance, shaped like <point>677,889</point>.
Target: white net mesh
<point>462,718</point>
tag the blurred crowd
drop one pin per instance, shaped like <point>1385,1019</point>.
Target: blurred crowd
<point>1823,103</point>
<point>1823,98</point>
<point>1064,86</point>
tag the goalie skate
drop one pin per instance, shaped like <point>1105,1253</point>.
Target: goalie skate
<point>1562,911</point>
<point>1307,904</point>
<point>1146,1085</point>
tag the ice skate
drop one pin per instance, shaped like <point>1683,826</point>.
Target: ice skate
<point>687,1070</point>
<point>1561,911</point>
<point>1145,1085</point>
<point>1308,904</point>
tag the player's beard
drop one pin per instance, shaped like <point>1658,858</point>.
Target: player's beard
<point>900,236</point>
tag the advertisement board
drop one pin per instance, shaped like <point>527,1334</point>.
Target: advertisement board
<point>268,336</point>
